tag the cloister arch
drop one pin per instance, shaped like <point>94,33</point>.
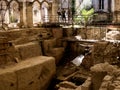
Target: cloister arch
<point>36,13</point>
<point>14,11</point>
<point>44,11</point>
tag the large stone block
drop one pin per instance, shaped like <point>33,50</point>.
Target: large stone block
<point>28,50</point>
<point>8,80</point>
<point>48,45</point>
<point>32,74</point>
<point>57,32</point>
<point>57,53</point>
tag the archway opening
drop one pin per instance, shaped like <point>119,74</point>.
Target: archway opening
<point>14,14</point>
<point>45,15</point>
<point>36,13</point>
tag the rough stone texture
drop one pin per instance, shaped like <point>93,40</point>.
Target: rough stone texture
<point>57,53</point>
<point>48,45</point>
<point>92,32</point>
<point>98,52</point>
<point>86,85</point>
<point>78,88</point>
<point>57,33</point>
<point>28,74</point>
<point>97,78</point>
<point>8,80</point>
<point>4,45</point>
<point>106,52</point>
<point>67,84</point>
<point>87,61</point>
<point>113,35</point>
<point>28,50</point>
<point>67,32</point>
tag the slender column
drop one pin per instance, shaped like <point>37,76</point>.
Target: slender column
<point>29,14</point>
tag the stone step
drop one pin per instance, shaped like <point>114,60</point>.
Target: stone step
<point>31,74</point>
<point>28,50</point>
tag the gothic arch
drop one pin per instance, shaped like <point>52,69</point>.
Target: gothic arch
<point>44,11</point>
<point>14,11</point>
<point>3,11</point>
<point>36,12</point>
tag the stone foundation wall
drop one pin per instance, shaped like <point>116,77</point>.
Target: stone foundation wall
<point>106,52</point>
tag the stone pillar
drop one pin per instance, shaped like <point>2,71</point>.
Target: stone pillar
<point>54,10</point>
<point>29,14</point>
<point>116,12</point>
<point>50,16</point>
<point>23,13</point>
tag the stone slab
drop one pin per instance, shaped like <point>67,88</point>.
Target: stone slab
<point>28,50</point>
<point>32,74</point>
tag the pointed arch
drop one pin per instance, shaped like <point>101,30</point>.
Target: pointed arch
<point>44,11</point>
<point>14,11</point>
<point>3,11</point>
<point>36,12</point>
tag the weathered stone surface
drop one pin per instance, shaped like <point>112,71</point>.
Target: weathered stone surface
<point>106,52</point>
<point>28,50</point>
<point>8,80</point>
<point>86,85</point>
<point>67,84</point>
<point>78,88</point>
<point>48,45</point>
<point>97,78</point>
<point>87,61</point>
<point>62,88</point>
<point>113,35</point>
<point>98,54</point>
<point>108,78</point>
<point>32,74</point>
<point>57,53</point>
<point>57,32</point>
<point>67,32</point>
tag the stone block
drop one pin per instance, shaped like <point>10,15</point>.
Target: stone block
<point>45,34</point>
<point>87,61</point>
<point>98,52</point>
<point>28,50</point>
<point>57,33</point>
<point>31,73</point>
<point>86,85</point>
<point>57,53</point>
<point>97,78</point>
<point>67,32</point>
<point>67,84</point>
<point>78,88</point>
<point>48,45</point>
<point>8,80</point>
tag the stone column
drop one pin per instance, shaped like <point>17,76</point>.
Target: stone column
<point>29,14</point>
<point>23,16</point>
<point>54,10</point>
<point>50,16</point>
<point>116,12</point>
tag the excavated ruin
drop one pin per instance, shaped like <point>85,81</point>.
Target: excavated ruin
<point>47,59</point>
